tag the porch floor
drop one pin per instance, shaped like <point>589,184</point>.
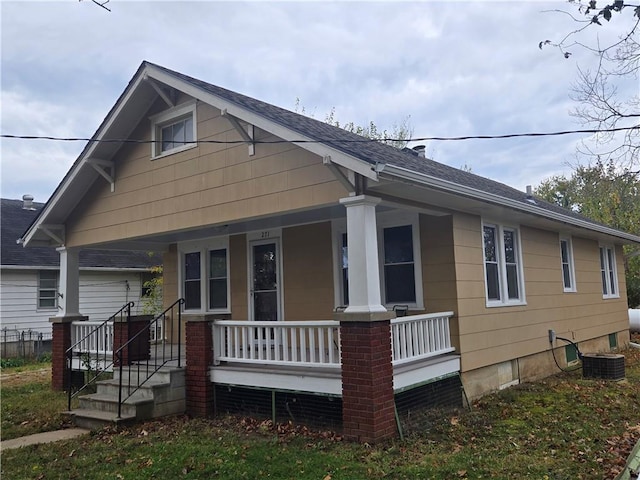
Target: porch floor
<point>326,381</point>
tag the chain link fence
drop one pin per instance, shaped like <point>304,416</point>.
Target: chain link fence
<point>24,344</point>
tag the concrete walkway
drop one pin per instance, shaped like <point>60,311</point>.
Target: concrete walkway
<point>46,437</point>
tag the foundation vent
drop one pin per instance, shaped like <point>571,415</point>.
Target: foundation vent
<point>606,366</point>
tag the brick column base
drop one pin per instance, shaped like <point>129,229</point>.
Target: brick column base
<point>61,342</point>
<point>140,348</point>
<point>368,413</point>
<point>199,388</point>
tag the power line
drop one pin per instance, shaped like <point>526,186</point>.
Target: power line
<point>328,140</point>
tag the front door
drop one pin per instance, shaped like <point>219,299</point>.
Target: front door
<point>265,283</point>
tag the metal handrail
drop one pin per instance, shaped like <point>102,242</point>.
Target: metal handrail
<point>117,355</point>
<point>126,308</point>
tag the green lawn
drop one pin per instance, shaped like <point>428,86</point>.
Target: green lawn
<point>561,428</point>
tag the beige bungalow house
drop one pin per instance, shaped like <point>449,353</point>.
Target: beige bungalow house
<point>306,258</point>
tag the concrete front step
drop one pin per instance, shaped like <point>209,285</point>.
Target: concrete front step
<point>133,374</point>
<point>138,408</point>
<point>149,390</point>
<point>96,419</point>
<point>163,394</point>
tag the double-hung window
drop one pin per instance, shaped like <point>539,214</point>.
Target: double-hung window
<point>399,261</point>
<point>566,261</point>
<point>503,265</point>
<point>173,130</point>
<point>192,290</point>
<point>608,272</point>
<point>399,265</point>
<point>48,289</point>
<point>204,276</point>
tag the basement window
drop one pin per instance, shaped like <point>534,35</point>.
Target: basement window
<point>174,130</point>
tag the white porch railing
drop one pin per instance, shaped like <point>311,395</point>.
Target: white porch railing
<point>99,343</point>
<point>308,344</point>
<point>417,337</point>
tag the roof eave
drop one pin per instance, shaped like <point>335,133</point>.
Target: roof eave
<point>402,173</point>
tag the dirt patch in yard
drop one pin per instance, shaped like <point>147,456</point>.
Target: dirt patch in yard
<point>27,376</point>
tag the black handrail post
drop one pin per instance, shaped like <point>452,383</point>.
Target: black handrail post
<point>68,362</point>
<point>180,303</point>
<point>117,354</point>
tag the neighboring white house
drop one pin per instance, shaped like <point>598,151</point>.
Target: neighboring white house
<point>30,277</point>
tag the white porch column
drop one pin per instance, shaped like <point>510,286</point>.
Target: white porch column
<point>69,298</point>
<point>362,244</point>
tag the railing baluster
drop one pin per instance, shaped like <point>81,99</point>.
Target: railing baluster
<point>420,336</point>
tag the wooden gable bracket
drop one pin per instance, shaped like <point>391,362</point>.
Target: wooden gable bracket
<point>247,135</point>
<point>101,167</point>
<point>339,174</point>
<point>55,232</point>
<point>168,97</point>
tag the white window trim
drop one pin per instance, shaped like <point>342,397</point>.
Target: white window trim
<point>502,267</point>
<point>38,289</point>
<point>572,269</point>
<point>203,247</point>
<point>383,220</point>
<point>166,118</point>
<point>613,267</point>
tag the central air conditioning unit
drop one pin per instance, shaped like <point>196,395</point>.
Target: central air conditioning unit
<point>607,366</point>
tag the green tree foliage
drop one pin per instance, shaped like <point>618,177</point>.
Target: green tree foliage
<point>152,301</point>
<point>606,194</point>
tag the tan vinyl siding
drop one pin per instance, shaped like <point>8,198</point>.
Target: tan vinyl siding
<point>438,267</point>
<point>238,277</point>
<point>493,335</point>
<point>308,272</point>
<point>205,185</point>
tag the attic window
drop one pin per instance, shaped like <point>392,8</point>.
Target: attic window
<point>174,130</point>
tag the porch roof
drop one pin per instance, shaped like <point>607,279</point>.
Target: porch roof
<point>375,160</point>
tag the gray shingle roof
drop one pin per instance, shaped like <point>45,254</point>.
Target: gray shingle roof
<point>372,152</point>
<point>15,220</point>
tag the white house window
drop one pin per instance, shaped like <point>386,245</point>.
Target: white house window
<point>399,268</point>
<point>47,289</point>
<point>344,258</point>
<point>568,269</point>
<point>174,130</point>
<point>192,290</point>
<point>608,272</point>
<point>204,276</point>
<point>399,253</point>
<point>503,265</point>
<point>176,135</point>
<point>218,279</point>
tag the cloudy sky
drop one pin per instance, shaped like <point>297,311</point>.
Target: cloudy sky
<point>455,68</point>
